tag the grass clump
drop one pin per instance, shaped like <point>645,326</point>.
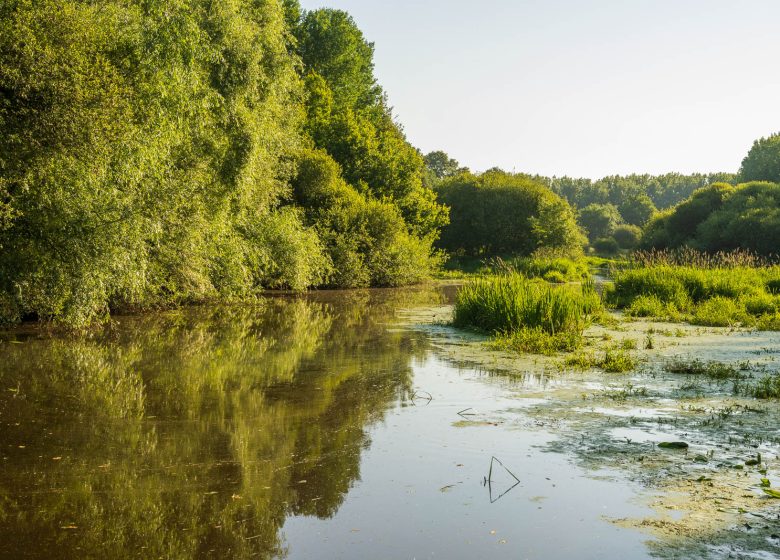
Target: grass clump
<point>721,312</point>
<point>528,315</point>
<point>711,370</point>
<point>556,270</point>
<point>613,361</point>
<point>511,302</point>
<point>767,388</point>
<point>722,293</point>
<point>537,341</point>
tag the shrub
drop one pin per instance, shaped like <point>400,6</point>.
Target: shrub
<point>606,246</point>
<point>720,312</point>
<point>627,236</point>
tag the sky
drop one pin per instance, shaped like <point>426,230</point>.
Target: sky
<point>584,88</point>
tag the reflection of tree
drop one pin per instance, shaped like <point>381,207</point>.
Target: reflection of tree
<point>195,433</point>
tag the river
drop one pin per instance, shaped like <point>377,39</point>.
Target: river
<point>359,425</point>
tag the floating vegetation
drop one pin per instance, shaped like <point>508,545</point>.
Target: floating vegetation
<point>711,370</point>
<point>612,361</point>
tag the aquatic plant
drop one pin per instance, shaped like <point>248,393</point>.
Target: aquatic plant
<point>509,303</point>
<point>718,296</point>
<point>536,341</point>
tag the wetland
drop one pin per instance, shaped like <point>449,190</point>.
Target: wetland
<point>363,425</point>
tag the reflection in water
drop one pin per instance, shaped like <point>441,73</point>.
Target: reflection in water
<point>195,433</point>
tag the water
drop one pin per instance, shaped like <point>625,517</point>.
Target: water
<point>324,426</point>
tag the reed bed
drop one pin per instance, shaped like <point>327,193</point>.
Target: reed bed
<point>723,291</point>
<point>510,302</point>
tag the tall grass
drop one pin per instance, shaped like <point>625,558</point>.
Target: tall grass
<point>510,303</point>
<point>722,291</point>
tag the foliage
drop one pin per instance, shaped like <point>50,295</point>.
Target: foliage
<point>612,361</point>
<point>567,270</point>
<point>349,118</point>
<point>599,220</point>
<point>367,239</point>
<point>763,161</point>
<point>509,303</point>
<point>627,236</point>
<point>606,246</point>
<point>535,340</point>
<point>499,213</point>
<point>148,150</point>
<point>440,166</point>
<point>715,296</point>
<point>722,218</point>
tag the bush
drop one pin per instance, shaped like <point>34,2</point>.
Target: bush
<point>720,312</point>
<point>606,246</point>
<point>627,237</point>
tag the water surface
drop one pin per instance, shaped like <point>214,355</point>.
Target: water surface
<point>332,425</point>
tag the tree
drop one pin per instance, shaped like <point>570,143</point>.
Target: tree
<point>637,209</point>
<point>722,218</point>
<point>599,220</point>
<point>350,120</point>
<point>499,213</point>
<point>763,161</point>
<point>441,165</point>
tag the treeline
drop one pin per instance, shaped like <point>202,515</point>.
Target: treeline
<point>499,213</point>
<point>158,152</point>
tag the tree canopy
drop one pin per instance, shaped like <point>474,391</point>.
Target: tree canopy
<point>151,151</point>
<point>763,161</point>
<point>722,218</point>
<point>500,213</point>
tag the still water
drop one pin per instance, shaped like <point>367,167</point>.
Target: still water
<point>321,426</point>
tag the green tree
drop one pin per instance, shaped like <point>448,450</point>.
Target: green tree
<point>599,220</point>
<point>637,209</point>
<point>499,213</point>
<point>441,165</point>
<point>763,161</point>
<point>349,118</point>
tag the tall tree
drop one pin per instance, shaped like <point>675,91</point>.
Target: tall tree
<point>763,161</point>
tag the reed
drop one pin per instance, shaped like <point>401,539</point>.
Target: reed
<point>510,302</point>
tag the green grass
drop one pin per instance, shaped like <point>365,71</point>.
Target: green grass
<point>556,270</point>
<point>767,388</point>
<point>537,341</point>
<point>612,361</point>
<point>711,370</point>
<point>508,303</point>
<point>719,297</point>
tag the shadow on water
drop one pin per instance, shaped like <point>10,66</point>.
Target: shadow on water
<point>196,433</point>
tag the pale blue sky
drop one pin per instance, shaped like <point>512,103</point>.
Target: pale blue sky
<point>579,87</point>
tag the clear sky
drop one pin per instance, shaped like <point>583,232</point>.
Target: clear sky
<point>579,87</point>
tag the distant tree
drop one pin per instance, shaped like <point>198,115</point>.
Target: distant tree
<point>637,209</point>
<point>499,213</point>
<point>763,161</point>
<point>721,218</point>
<point>627,236</point>
<point>441,165</point>
<point>599,220</point>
